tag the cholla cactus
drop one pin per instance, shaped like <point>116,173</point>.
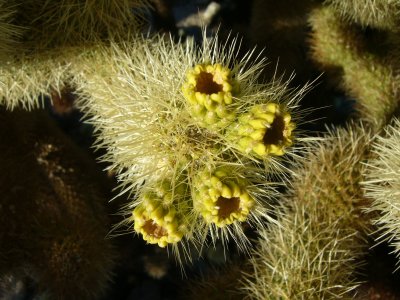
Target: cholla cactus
<point>382,184</point>
<point>73,22</point>
<point>54,199</point>
<point>382,14</point>
<point>167,110</point>
<point>9,33</point>
<point>264,130</point>
<point>332,174</point>
<point>315,248</point>
<point>209,89</point>
<point>221,196</point>
<point>370,77</point>
<point>304,258</point>
<point>27,79</point>
<point>54,33</point>
<point>160,216</point>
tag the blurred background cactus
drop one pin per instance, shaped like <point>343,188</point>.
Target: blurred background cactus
<point>54,199</point>
<point>10,33</point>
<point>251,147</point>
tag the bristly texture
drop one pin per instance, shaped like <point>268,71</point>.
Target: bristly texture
<point>25,80</point>
<point>305,257</point>
<point>370,77</point>
<point>54,31</point>
<point>163,111</point>
<point>54,222</point>
<point>73,22</point>
<point>221,196</point>
<point>382,14</point>
<point>382,185</point>
<point>315,248</point>
<point>209,88</point>
<point>9,33</point>
<point>331,174</point>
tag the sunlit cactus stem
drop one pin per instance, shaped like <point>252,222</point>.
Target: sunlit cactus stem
<point>320,236</point>
<point>381,14</point>
<point>304,257</point>
<point>382,185</point>
<point>63,23</point>
<point>27,79</point>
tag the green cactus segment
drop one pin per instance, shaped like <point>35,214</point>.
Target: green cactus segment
<point>344,52</point>
<point>264,130</point>
<point>159,217</point>
<point>380,14</point>
<point>208,90</point>
<point>63,23</point>
<point>221,198</point>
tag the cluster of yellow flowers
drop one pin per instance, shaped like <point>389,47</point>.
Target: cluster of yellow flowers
<point>191,133</point>
<point>218,194</point>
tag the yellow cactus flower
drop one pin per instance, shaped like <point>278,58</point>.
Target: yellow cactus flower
<point>157,226</point>
<point>208,89</point>
<point>221,198</point>
<point>265,130</point>
<point>159,217</point>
